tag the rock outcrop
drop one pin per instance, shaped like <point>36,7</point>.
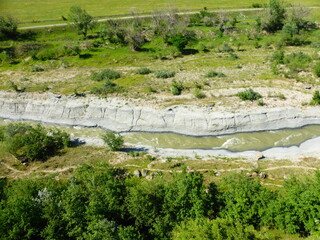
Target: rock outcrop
<point>119,115</point>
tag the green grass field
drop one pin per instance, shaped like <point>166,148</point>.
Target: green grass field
<point>39,10</point>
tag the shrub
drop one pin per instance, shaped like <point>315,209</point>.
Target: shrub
<point>28,143</point>
<point>1,134</point>
<point>199,94</point>
<point>316,69</point>
<point>290,35</point>
<point>37,68</point>
<point>108,87</point>
<point>275,16</point>
<point>169,52</point>
<point>8,27</point>
<point>15,87</point>
<point>233,56</point>
<point>249,94</point>
<point>278,57</point>
<point>114,140</point>
<point>81,20</point>
<point>257,5</point>
<point>164,74</point>
<point>225,48</point>
<point>45,54</point>
<point>176,87</point>
<point>5,57</point>
<point>179,41</point>
<point>143,71</point>
<point>315,98</point>
<point>135,38</point>
<point>212,73</point>
<point>106,74</point>
<point>297,61</point>
<point>70,50</point>
<point>261,102</point>
<point>29,49</point>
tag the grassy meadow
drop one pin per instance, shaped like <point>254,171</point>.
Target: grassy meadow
<point>38,10</point>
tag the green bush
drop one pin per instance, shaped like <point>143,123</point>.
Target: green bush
<point>179,41</point>
<point>225,47</point>
<point>29,143</point>
<point>169,52</point>
<point>1,134</point>
<point>8,27</point>
<point>143,71</point>
<point>249,94</point>
<point>164,74</point>
<point>233,56</point>
<point>176,87</point>
<point>114,140</point>
<point>37,68</point>
<point>316,69</point>
<point>275,16</point>
<point>257,5</point>
<point>297,61</point>
<point>81,20</point>
<point>199,94</point>
<point>29,49</point>
<point>106,74</point>
<point>278,57</point>
<point>5,57</point>
<point>316,98</point>
<point>46,54</point>
<point>290,35</point>
<point>212,73</point>
<point>108,87</point>
<point>70,50</point>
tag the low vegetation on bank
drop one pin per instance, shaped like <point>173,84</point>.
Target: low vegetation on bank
<point>206,52</point>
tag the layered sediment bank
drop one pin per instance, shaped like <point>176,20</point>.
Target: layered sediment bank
<point>124,116</point>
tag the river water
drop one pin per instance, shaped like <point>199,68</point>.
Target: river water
<point>235,142</point>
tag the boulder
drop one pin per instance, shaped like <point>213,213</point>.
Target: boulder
<point>137,173</point>
<point>144,172</point>
<point>263,175</point>
<point>259,156</point>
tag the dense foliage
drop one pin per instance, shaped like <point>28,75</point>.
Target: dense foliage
<point>8,28</point>
<point>29,143</point>
<point>101,202</point>
<point>114,140</point>
<point>81,20</point>
<point>249,94</point>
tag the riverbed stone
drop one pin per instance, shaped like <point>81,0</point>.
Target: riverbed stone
<point>144,172</point>
<point>137,173</point>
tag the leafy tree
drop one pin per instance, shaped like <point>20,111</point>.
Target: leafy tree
<point>20,216</point>
<point>179,40</point>
<point>8,27</point>
<point>297,210</point>
<point>243,200</point>
<point>29,143</point>
<point>93,202</point>
<point>113,140</point>
<point>81,20</point>
<point>275,16</point>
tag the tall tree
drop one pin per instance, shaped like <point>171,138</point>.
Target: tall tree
<point>81,20</point>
